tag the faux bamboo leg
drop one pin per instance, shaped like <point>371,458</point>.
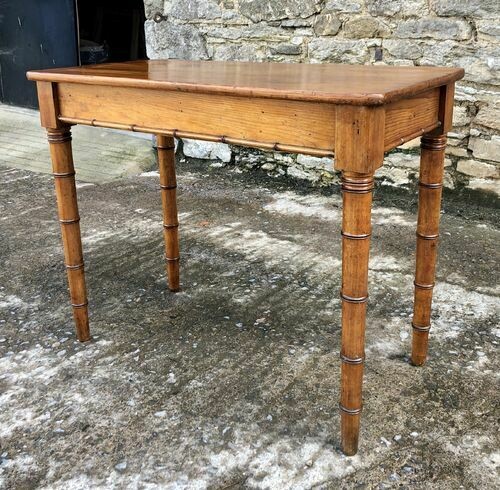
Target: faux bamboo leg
<point>356,231</point>
<point>168,185</point>
<point>64,179</point>
<point>429,206</point>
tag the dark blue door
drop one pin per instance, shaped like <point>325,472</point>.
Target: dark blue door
<point>34,34</point>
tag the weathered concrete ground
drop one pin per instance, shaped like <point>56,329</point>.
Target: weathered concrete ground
<point>24,145</point>
<point>234,382</point>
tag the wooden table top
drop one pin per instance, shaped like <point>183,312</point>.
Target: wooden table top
<point>339,84</point>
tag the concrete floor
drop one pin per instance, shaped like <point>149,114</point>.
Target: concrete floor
<point>234,382</point>
<point>102,154</point>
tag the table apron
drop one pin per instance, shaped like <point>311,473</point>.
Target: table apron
<point>242,120</point>
<point>270,124</point>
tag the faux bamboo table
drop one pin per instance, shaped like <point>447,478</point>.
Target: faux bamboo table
<point>356,112</point>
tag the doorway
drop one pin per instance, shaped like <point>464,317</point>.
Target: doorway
<point>111,30</point>
<point>57,33</point>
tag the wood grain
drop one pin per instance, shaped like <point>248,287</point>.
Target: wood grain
<point>356,231</point>
<point>429,207</point>
<point>265,120</point>
<point>339,84</point>
<point>359,136</point>
<point>48,102</point>
<point>446,102</point>
<point>168,186</point>
<point>411,117</point>
<point>64,179</point>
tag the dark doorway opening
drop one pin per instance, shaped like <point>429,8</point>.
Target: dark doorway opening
<point>111,30</point>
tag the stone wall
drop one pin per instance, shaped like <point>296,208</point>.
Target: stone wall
<point>462,33</point>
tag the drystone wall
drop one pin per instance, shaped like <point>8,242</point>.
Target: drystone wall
<point>462,33</point>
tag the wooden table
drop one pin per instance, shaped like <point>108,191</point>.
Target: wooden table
<point>356,112</point>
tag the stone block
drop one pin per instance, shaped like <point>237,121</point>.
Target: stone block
<point>403,49</point>
<point>326,25</point>
<point>383,7</point>
<point>195,10</point>
<point>365,26</point>
<point>252,32</point>
<point>464,93</point>
<point>301,173</point>
<point>206,150</point>
<point>466,8</point>
<point>406,160</point>
<point>481,61</point>
<point>151,7</point>
<point>489,114</point>
<point>396,176</point>
<point>448,180</point>
<point>165,40</point>
<point>268,10</point>
<point>297,22</point>
<point>486,149</point>
<point>414,8</point>
<point>457,151</point>
<point>239,52</point>
<point>478,169</point>
<point>489,30</point>
<point>338,50</point>
<point>315,162</point>
<point>434,28</point>
<point>461,116</point>
<point>287,49</point>
<point>343,7</point>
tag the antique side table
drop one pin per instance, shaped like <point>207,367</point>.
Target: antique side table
<point>356,112</point>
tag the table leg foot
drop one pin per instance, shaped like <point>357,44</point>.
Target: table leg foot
<point>64,180</point>
<point>429,207</point>
<point>168,185</point>
<point>356,230</point>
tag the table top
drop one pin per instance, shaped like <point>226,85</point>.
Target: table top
<point>340,84</point>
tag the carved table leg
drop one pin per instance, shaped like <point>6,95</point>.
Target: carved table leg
<point>168,184</point>
<point>64,179</point>
<point>356,230</point>
<point>429,206</point>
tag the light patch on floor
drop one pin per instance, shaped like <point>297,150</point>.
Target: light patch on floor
<point>12,301</point>
<point>392,216</point>
<point>309,206</point>
<point>21,213</point>
<point>384,347</point>
<point>135,229</point>
<point>282,463</point>
<point>15,179</point>
<point>23,464</point>
<point>330,209</point>
<point>82,185</point>
<point>493,290</point>
<point>151,173</point>
<point>388,263</point>
<point>16,369</point>
<point>468,447</point>
<point>455,306</point>
<point>259,245</point>
<point>34,365</point>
